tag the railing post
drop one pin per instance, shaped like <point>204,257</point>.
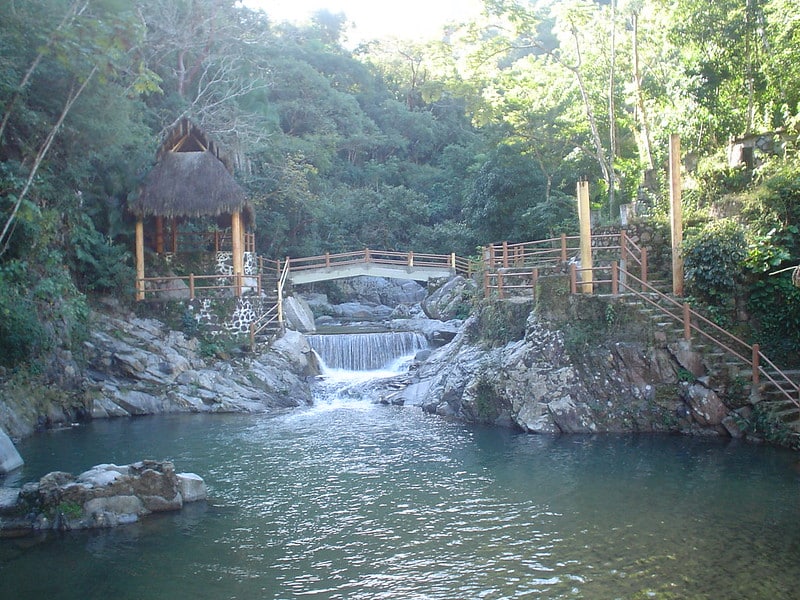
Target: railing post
<point>410,259</point>
<point>453,261</point>
<point>366,255</point>
<point>687,322</point>
<point>491,256</point>
<point>614,279</point>
<point>756,366</point>
<point>191,286</point>
<point>216,240</point>
<point>327,259</point>
<point>563,247</point>
<point>534,281</point>
<point>505,254</point>
<point>644,266</point>
<point>573,279</point>
<point>623,255</point>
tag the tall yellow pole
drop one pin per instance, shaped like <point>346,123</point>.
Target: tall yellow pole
<point>585,220</point>
<point>238,251</point>
<point>675,214</point>
<point>139,259</point>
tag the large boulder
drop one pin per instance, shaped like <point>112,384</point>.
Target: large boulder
<point>104,496</point>
<point>451,301</point>
<point>298,315</point>
<point>9,457</point>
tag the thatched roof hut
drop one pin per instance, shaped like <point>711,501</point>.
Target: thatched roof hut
<point>190,184</point>
<point>190,179</point>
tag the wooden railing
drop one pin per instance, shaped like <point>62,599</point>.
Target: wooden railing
<point>275,313</point>
<point>381,257</point>
<point>693,322</point>
<point>510,268</point>
<point>191,285</point>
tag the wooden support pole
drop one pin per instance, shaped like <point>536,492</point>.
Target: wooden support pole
<point>675,212</point>
<point>534,281</point>
<point>238,252</point>
<point>139,259</point>
<point>505,255</point>
<point>623,256</point>
<point>453,261</point>
<point>174,231</point>
<point>327,259</point>
<point>563,247</point>
<point>159,235</point>
<point>411,259</point>
<point>687,322</point>
<point>191,286</point>
<point>366,254</point>
<point>585,218</point>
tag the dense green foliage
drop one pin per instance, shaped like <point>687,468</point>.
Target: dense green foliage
<point>439,146</point>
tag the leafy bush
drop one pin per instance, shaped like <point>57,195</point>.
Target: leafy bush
<point>98,263</point>
<point>713,261</point>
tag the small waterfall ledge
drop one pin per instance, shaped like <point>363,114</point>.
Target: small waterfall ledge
<point>365,351</point>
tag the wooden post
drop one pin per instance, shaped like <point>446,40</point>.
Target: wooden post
<point>159,235</point>
<point>191,286</point>
<point>505,255</point>
<point>756,366</point>
<point>585,217</point>
<point>687,322</point>
<point>614,279</point>
<point>366,255</point>
<point>238,252</point>
<point>563,247</point>
<point>174,231</point>
<point>573,279</point>
<point>139,259</point>
<point>216,240</point>
<point>623,256</point>
<point>644,267</point>
<point>534,280</point>
<point>675,214</point>
<point>411,258</point>
<point>327,259</point>
<point>453,261</point>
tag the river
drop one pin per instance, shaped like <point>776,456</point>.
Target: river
<point>349,499</point>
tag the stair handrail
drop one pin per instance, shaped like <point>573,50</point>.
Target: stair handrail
<point>275,312</point>
<point>754,351</point>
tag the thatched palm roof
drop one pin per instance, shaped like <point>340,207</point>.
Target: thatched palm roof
<point>190,184</point>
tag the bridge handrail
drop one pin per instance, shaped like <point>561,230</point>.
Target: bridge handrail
<point>274,313</point>
<point>381,257</point>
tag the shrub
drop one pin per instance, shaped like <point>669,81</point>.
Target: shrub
<point>713,261</point>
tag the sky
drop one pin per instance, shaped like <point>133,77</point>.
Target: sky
<point>407,19</point>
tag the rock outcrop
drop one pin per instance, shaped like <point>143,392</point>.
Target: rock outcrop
<point>104,496</point>
<point>139,367</point>
<point>534,383</point>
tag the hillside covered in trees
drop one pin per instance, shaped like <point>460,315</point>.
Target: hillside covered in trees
<point>443,146</point>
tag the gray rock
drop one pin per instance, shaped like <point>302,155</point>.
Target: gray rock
<point>707,409</point>
<point>451,300</point>
<point>298,315</point>
<point>192,487</point>
<point>9,456</point>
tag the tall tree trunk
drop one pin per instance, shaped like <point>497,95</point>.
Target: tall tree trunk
<point>75,93</point>
<point>612,119</point>
<point>644,134</point>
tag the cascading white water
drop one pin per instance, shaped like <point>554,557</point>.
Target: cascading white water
<point>366,351</point>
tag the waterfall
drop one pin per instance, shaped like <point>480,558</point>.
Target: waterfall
<point>365,351</point>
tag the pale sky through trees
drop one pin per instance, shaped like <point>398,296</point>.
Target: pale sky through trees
<point>407,19</point>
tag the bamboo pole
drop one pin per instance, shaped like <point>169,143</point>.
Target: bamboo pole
<point>238,252</point>
<point>585,217</point>
<point>139,259</point>
<point>675,213</point>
